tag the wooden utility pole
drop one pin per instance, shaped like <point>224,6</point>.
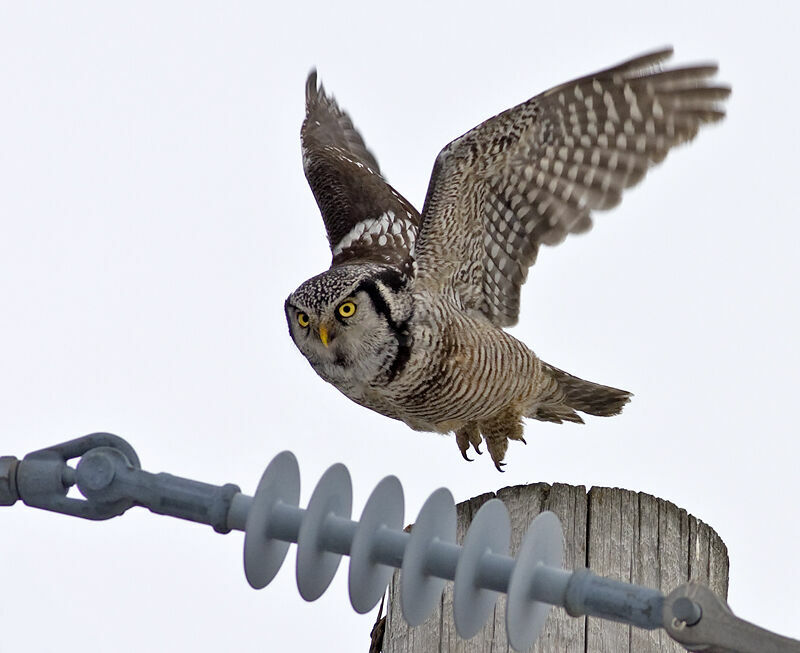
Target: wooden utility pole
<point>624,535</point>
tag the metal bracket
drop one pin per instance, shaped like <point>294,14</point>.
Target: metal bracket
<point>43,477</point>
<point>109,475</point>
<point>701,621</point>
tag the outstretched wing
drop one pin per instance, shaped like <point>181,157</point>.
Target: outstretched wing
<point>533,174</point>
<point>366,219</point>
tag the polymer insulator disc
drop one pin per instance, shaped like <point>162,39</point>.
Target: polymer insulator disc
<point>543,545</point>
<point>368,579</point>
<point>316,566</point>
<point>263,555</point>
<point>490,531</point>
<point>420,591</point>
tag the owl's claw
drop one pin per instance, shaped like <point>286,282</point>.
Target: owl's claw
<point>463,445</point>
<point>466,436</point>
<point>497,446</point>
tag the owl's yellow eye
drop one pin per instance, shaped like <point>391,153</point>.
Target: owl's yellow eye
<point>347,309</point>
<point>302,319</point>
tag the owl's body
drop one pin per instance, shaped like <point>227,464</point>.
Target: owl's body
<point>408,320</point>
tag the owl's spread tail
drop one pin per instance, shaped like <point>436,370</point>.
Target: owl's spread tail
<point>572,394</point>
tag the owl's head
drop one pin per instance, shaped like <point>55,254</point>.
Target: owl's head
<point>351,322</point>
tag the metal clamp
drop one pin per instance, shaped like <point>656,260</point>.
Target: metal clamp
<point>109,475</point>
<point>701,621</point>
<point>42,478</point>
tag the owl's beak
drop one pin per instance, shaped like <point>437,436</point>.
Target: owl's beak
<point>323,334</point>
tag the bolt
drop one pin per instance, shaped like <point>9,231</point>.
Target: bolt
<point>95,472</point>
<point>686,611</point>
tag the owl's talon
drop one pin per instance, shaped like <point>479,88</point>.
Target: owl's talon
<point>477,449</point>
<point>499,465</point>
<point>463,446</point>
<point>523,440</point>
<point>466,436</point>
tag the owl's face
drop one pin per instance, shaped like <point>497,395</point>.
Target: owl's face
<point>349,322</point>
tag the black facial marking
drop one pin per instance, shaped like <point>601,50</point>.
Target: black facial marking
<point>287,312</point>
<point>392,278</point>
<point>403,352</point>
<point>400,330</point>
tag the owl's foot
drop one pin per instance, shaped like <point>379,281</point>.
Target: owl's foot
<point>498,430</point>
<point>468,435</point>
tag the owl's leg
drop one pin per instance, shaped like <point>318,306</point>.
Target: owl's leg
<point>498,430</point>
<point>469,434</point>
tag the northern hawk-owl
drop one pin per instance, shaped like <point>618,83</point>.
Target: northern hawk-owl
<point>408,320</point>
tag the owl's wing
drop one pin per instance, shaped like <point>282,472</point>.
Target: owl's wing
<point>533,174</point>
<point>365,218</point>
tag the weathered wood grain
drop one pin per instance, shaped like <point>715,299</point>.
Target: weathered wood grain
<point>624,535</point>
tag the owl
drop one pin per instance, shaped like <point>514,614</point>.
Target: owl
<point>408,320</point>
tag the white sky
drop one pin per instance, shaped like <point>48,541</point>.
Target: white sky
<point>155,215</point>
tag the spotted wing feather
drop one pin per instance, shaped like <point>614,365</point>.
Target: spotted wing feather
<point>535,173</point>
<point>365,218</point>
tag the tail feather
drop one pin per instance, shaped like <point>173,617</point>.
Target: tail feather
<point>575,394</point>
<point>556,414</point>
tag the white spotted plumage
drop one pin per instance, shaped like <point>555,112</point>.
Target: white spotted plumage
<point>408,319</point>
<point>383,230</point>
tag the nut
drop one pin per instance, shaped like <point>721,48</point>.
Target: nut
<point>8,480</point>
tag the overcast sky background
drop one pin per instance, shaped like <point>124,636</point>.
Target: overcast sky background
<point>155,215</point>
